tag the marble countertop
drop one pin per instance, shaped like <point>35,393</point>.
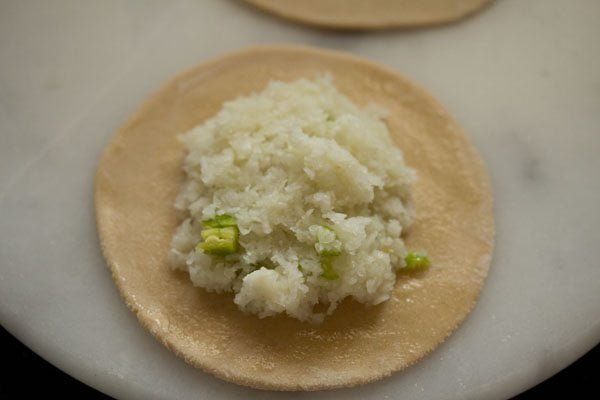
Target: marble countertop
<point>523,78</point>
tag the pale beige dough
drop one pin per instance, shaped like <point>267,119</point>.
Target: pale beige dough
<point>138,179</point>
<point>370,14</point>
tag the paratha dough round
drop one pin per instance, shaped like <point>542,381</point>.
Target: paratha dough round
<point>370,14</point>
<point>138,179</point>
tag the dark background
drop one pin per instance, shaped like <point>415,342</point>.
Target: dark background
<point>27,375</point>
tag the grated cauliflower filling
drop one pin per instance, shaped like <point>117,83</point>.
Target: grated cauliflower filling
<point>319,193</point>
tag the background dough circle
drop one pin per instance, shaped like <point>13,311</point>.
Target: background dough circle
<point>370,14</point>
<point>138,179</point>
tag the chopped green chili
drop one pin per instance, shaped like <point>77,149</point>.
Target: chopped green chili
<point>220,236</point>
<point>327,246</point>
<point>416,261</point>
<point>328,271</point>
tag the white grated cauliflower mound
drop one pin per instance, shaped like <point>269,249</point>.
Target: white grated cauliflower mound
<point>302,170</point>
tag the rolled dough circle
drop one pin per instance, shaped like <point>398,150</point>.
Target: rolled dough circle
<point>138,178</point>
<point>370,14</point>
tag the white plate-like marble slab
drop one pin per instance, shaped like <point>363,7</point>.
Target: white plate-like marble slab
<point>523,78</point>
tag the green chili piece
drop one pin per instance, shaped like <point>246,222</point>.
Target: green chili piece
<point>220,236</point>
<point>328,271</point>
<point>217,246</point>
<point>417,261</point>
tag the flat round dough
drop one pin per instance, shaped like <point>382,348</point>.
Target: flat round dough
<point>370,14</point>
<point>138,179</point>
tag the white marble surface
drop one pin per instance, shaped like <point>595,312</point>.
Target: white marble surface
<point>523,78</point>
